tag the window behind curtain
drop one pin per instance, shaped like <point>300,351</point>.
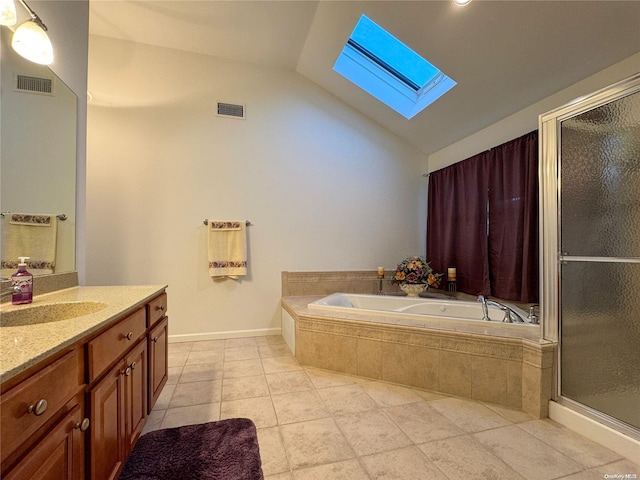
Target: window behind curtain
<point>483,220</point>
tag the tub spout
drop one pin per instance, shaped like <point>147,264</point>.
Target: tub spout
<point>485,309</point>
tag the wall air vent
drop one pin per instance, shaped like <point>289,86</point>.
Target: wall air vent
<point>31,84</point>
<point>231,110</point>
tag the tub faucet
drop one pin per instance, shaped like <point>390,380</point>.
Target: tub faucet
<point>485,310</point>
<point>533,318</point>
<point>509,315</point>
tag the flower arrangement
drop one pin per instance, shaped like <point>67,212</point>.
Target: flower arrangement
<point>415,270</point>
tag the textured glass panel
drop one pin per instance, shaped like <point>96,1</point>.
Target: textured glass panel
<point>600,337</point>
<point>600,181</point>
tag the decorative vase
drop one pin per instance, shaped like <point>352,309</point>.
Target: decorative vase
<point>413,289</point>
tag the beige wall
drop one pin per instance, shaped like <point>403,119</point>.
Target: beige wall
<point>526,120</point>
<point>324,187</point>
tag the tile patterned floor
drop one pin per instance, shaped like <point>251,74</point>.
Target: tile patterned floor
<point>314,424</point>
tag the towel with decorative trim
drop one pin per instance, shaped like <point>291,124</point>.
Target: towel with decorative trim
<point>28,235</point>
<point>227,249</point>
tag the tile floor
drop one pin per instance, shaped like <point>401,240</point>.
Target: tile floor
<point>315,424</point>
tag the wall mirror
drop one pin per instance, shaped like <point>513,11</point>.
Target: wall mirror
<point>38,134</point>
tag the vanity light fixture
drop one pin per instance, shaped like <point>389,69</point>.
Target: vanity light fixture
<point>8,12</point>
<point>31,41</point>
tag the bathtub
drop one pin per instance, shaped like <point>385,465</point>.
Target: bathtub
<point>426,312</point>
<point>441,345</point>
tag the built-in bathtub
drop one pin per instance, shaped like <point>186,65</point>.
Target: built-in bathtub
<point>434,344</point>
<point>423,312</point>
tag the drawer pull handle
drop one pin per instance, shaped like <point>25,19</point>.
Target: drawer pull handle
<point>129,336</point>
<point>160,307</point>
<point>127,372</point>
<point>83,426</point>
<point>133,365</point>
<point>38,408</point>
<point>155,339</point>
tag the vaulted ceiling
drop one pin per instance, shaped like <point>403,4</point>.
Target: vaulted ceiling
<point>504,55</point>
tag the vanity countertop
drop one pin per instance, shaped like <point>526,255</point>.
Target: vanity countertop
<point>23,346</point>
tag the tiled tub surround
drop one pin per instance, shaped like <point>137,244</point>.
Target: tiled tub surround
<point>325,283</point>
<point>495,367</point>
<point>24,346</point>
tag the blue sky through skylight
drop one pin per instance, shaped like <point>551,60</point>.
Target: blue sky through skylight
<point>386,68</point>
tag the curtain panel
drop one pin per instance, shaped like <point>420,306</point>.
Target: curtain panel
<point>483,219</point>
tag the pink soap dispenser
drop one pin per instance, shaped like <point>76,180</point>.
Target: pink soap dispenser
<point>24,280</point>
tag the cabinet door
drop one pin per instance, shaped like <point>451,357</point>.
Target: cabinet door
<point>136,393</point>
<point>58,456</point>
<point>158,360</point>
<point>107,446</point>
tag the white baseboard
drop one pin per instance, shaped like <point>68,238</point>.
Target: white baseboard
<point>613,440</point>
<point>197,337</point>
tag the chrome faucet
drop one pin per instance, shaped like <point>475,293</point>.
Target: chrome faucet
<point>509,315</point>
<point>13,289</point>
<point>485,309</point>
<point>533,318</point>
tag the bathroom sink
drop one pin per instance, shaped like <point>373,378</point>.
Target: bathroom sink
<point>46,313</point>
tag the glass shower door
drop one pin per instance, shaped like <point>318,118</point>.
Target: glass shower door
<point>599,229</point>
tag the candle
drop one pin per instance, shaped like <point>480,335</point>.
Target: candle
<point>451,274</point>
<point>380,272</point>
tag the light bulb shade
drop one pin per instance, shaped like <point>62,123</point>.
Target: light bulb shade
<point>32,42</point>
<point>8,12</point>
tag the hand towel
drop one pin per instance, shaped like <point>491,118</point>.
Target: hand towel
<point>27,235</point>
<point>227,249</point>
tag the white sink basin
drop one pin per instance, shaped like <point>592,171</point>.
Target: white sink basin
<point>46,313</point>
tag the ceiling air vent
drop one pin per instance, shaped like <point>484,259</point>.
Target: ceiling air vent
<point>231,110</point>
<point>31,84</point>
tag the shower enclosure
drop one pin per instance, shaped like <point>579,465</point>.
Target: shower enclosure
<point>590,202</point>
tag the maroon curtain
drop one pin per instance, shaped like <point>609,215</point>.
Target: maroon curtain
<point>483,220</point>
<point>457,222</point>
<point>513,219</point>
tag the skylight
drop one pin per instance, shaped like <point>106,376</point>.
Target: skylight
<point>386,68</point>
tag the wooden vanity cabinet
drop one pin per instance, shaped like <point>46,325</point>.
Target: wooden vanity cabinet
<point>96,397</point>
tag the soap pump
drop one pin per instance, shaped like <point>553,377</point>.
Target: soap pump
<point>23,280</point>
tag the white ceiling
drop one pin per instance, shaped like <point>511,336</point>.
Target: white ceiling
<point>504,55</point>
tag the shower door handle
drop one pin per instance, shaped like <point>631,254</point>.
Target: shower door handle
<point>564,259</point>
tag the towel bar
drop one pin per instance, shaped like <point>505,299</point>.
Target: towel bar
<point>206,222</point>
<point>60,216</point>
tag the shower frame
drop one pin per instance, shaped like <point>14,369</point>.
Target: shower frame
<point>550,233</point>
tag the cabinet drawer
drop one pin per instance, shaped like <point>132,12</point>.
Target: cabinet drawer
<point>56,384</point>
<point>157,309</point>
<point>109,346</point>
